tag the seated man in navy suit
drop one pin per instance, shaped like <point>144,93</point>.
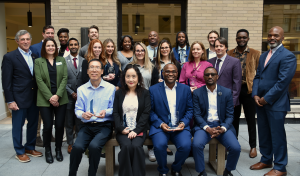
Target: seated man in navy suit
<point>213,111</point>
<point>171,112</point>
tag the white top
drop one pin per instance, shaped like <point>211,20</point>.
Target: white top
<point>130,108</point>
<point>221,63</point>
<point>171,97</point>
<point>151,51</point>
<point>75,60</point>
<point>211,54</point>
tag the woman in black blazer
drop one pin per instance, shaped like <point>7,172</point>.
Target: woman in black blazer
<point>131,113</point>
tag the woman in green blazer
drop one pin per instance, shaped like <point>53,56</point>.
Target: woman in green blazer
<point>51,77</point>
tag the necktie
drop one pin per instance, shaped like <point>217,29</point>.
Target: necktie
<point>268,58</point>
<point>218,65</point>
<point>75,65</point>
<point>182,59</point>
<point>30,64</point>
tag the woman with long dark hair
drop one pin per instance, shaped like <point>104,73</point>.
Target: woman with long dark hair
<point>125,52</point>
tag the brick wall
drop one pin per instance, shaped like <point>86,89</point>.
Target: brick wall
<point>206,15</point>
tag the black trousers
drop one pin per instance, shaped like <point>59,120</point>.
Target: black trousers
<point>91,136</point>
<point>249,110</point>
<point>47,116</point>
<point>132,156</point>
<point>71,121</point>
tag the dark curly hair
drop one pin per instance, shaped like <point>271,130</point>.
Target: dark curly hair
<point>120,47</point>
<point>140,86</point>
<point>61,30</point>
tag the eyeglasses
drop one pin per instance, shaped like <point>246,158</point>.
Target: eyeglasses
<point>169,72</point>
<point>212,74</point>
<point>139,51</point>
<point>164,48</point>
<point>95,68</point>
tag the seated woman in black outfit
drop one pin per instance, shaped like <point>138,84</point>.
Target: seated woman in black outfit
<point>131,112</point>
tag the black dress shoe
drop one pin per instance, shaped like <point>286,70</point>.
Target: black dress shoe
<point>59,156</point>
<point>48,155</point>
<point>227,173</point>
<point>203,173</point>
<point>162,174</point>
<point>174,173</point>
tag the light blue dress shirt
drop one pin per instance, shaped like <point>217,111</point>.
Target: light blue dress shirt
<point>28,59</point>
<point>103,99</point>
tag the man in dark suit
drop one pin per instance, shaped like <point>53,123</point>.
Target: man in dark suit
<point>213,111</point>
<point>228,68</point>
<point>93,34</point>
<point>182,49</point>
<point>20,91</point>
<point>74,62</point>
<point>48,32</point>
<point>275,71</point>
<point>211,37</point>
<point>171,106</point>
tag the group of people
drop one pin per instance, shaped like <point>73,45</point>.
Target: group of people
<point>175,93</point>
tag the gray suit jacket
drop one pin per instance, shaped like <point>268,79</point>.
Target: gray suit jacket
<point>74,79</point>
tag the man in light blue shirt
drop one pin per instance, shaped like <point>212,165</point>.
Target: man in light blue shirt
<point>94,107</point>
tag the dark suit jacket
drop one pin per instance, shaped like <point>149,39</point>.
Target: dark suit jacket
<point>143,112</point>
<point>272,81</point>
<point>224,105</point>
<point>207,53</point>
<point>116,81</point>
<point>160,107</point>
<point>17,82</point>
<point>36,49</point>
<point>230,76</point>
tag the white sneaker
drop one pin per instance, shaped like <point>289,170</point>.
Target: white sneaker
<point>151,155</point>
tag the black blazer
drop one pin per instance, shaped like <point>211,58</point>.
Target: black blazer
<point>143,112</point>
<point>85,77</point>
<point>17,82</point>
<point>207,53</point>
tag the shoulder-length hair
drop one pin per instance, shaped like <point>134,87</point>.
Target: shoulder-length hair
<point>159,55</point>
<point>204,55</point>
<point>120,47</point>
<point>43,51</point>
<point>90,54</point>
<point>147,63</point>
<point>104,55</point>
<point>139,87</point>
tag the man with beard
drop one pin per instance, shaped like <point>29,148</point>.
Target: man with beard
<point>152,47</point>
<point>211,37</point>
<point>93,34</point>
<point>170,116</point>
<point>275,71</point>
<point>74,62</point>
<point>213,112</point>
<point>249,61</point>
<point>182,49</point>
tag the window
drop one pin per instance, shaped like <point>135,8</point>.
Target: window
<point>164,23</point>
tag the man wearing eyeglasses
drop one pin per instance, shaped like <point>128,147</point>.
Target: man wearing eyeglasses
<point>94,108</point>
<point>249,59</point>
<point>213,112</point>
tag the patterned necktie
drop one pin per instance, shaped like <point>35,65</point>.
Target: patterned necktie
<point>268,58</point>
<point>218,65</point>
<point>75,65</point>
<point>30,64</point>
<point>182,59</point>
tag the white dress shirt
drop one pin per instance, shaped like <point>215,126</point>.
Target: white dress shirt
<point>221,63</point>
<point>152,51</point>
<point>73,60</point>
<point>171,97</point>
<point>212,54</point>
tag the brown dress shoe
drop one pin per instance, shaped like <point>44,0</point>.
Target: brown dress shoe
<point>252,153</point>
<point>70,149</point>
<point>274,172</point>
<point>33,153</point>
<point>23,158</point>
<point>260,165</point>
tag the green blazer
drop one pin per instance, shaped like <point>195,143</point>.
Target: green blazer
<point>43,81</point>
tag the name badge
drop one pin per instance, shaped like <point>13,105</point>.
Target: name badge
<point>58,63</point>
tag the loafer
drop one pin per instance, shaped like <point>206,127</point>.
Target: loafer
<point>23,158</point>
<point>33,153</point>
<point>70,149</point>
<point>275,172</point>
<point>252,153</point>
<point>260,165</point>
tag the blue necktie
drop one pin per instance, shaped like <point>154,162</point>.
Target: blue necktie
<point>91,107</point>
<point>217,65</point>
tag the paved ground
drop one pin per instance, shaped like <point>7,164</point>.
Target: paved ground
<point>9,166</point>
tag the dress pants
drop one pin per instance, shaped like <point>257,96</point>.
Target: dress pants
<point>71,121</point>
<point>47,116</point>
<point>272,137</point>
<point>182,141</point>
<point>92,136</point>
<point>132,156</point>
<point>18,120</point>
<point>228,139</point>
<point>249,109</point>
<point>39,126</point>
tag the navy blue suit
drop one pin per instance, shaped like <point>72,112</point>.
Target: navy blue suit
<point>20,86</point>
<point>225,111</point>
<point>159,113</point>
<point>272,82</point>
<point>177,53</point>
<point>36,49</point>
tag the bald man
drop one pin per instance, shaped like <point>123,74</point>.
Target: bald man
<point>270,92</point>
<point>153,42</point>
